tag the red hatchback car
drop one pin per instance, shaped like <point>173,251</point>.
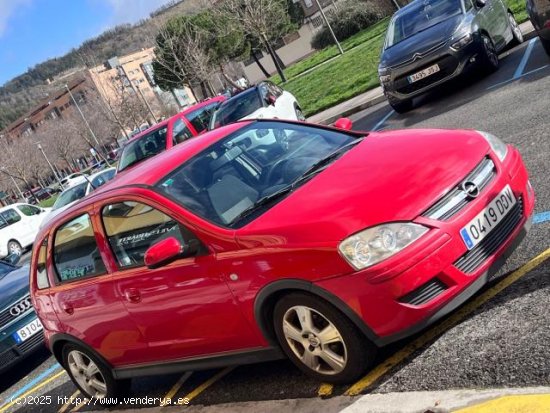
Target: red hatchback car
<point>187,124</point>
<point>272,238</point>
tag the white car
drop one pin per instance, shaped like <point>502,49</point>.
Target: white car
<point>19,224</point>
<point>264,101</point>
<point>72,180</point>
<point>75,193</point>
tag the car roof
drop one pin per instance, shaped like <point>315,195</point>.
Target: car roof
<point>95,175</point>
<point>248,91</point>
<point>11,206</point>
<point>184,112</point>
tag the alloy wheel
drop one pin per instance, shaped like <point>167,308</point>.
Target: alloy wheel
<point>314,340</point>
<point>490,51</point>
<point>300,115</point>
<point>518,35</point>
<point>87,374</point>
<point>15,248</point>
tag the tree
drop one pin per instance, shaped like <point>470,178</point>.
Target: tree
<point>262,21</point>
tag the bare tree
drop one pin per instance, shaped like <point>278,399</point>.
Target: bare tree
<point>61,141</point>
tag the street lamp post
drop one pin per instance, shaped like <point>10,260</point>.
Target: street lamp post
<point>146,103</point>
<point>83,117</point>
<point>324,16</point>
<point>41,149</point>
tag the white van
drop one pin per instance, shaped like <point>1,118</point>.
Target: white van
<point>19,224</point>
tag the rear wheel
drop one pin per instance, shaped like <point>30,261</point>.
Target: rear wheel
<point>489,58</point>
<point>91,376</point>
<point>320,340</point>
<point>516,30</point>
<point>402,106</point>
<point>15,247</point>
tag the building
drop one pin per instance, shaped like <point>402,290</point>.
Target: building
<point>51,108</point>
<point>134,73</point>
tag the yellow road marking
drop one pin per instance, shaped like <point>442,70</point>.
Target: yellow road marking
<point>64,408</point>
<point>439,329</point>
<point>175,388</point>
<point>80,406</point>
<point>208,383</point>
<point>325,390</point>
<point>533,403</point>
<point>31,391</point>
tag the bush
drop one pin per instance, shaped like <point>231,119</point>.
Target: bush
<point>350,18</point>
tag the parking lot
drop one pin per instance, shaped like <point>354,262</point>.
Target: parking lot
<point>500,338</point>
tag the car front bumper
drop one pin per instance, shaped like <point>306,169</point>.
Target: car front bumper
<point>429,270</point>
<point>452,64</point>
<point>11,352</point>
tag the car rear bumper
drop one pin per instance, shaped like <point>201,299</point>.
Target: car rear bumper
<point>423,283</point>
<point>452,64</point>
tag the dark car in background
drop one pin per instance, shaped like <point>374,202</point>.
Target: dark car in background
<point>20,331</point>
<point>539,13</point>
<point>432,41</point>
<point>187,124</point>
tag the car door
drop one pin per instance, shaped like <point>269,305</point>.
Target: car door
<point>184,309</point>
<point>83,295</point>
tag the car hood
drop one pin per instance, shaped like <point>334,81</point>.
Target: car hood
<point>14,286</point>
<point>389,176</point>
<point>420,42</point>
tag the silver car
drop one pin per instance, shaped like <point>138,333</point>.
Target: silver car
<point>432,41</point>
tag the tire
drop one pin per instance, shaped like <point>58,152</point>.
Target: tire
<point>299,114</point>
<point>15,247</point>
<point>516,31</point>
<point>350,354</point>
<point>104,386</point>
<point>401,106</point>
<point>489,57</point>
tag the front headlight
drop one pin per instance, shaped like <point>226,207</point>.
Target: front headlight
<point>498,147</point>
<point>376,244</point>
<point>463,41</point>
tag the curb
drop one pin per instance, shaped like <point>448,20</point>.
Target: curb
<point>352,111</point>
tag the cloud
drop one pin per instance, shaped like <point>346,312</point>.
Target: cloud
<point>131,11</point>
<point>7,9</point>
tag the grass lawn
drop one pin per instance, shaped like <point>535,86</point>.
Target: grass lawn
<point>48,202</point>
<point>351,74</point>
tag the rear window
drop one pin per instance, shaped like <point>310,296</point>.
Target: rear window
<point>71,195</point>
<point>237,108</point>
<point>145,147</point>
<point>200,118</point>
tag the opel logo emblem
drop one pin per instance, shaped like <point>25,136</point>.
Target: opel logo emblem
<point>470,189</point>
<point>21,307</point>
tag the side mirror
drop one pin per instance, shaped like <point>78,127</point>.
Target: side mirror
<point>168,251</point>
<point>12,259</point>
<point>344,123</point>
<point>481,3</point>
<point>271,99</point>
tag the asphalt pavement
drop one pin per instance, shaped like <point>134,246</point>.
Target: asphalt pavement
<point>501,342</point>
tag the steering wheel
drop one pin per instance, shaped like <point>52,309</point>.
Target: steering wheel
<point>278,165</point>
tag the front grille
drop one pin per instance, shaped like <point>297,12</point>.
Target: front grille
<point>452,203</point>
<point>447,66</point>
<point>31,342</point>
<point>6,317</point>
<point>474,258</point>
<point>425,293</point>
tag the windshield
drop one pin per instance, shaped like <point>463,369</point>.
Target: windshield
<point>142,148</point>
<point>419,17</point>
<point>102,178</point>
<point>70,195</point>
<point>251,165</point>
<point>239,107</point>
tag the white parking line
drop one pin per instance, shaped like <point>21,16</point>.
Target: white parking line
<point>379,125</point>
<point>524,59</point>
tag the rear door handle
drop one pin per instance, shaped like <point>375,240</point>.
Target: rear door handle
<point>132,295</point>
<point>68,308</point>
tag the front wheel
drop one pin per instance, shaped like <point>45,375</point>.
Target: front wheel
<point>489,56</point>
<point>91,376</point>
<point>15,247</point>
<point>402,106</point>
<point>320,340</point>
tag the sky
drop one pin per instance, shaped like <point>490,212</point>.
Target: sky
<point>32,31</point>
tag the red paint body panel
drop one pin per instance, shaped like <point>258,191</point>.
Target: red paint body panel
<point>205,305</point>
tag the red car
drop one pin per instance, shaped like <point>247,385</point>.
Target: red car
<point>187,124</point>
<point>272,238</point>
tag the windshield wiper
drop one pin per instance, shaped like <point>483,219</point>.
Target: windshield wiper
<point>310,172</point>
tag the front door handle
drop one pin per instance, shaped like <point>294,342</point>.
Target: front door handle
<point>68,308</point>
<point>132,295</point>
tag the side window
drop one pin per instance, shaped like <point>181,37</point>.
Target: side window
<point>264,92</point>
<point>76,254</point>
<point>468,5</point>
<point>11,217</point>
<point>133,227</point>
<point>181,132</point>
<point>29,210</point>
<point>41,273</point>
<point>276,90</point>
<point>3,223</point>
<point>200,119</point>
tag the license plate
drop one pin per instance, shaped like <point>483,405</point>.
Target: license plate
<point>23,334</point>
<point>423,73</point>
<point>489,218</point>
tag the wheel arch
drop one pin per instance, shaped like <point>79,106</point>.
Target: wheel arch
<point>271,293</point>
<point>58,341</point>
